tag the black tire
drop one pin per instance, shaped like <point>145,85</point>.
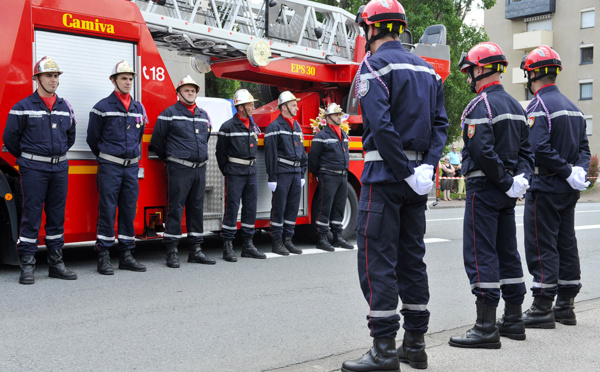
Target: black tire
<point>269,93</point>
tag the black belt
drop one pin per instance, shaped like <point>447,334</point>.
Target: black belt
<point>340,172</point>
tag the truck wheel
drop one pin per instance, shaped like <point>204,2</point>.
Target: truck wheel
<point>350,213</point>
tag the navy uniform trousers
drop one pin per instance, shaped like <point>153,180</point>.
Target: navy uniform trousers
<point>490,254</point>
<point>390,229</point>
<point>117,187</point>
<point>331,202</point>
<point>186,187</point>
<point>238,187</point>
<point>550,243</point>
<point>42,190</point>
<point>284,204</point>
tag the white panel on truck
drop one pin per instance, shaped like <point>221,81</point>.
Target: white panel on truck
<point>86,63</point>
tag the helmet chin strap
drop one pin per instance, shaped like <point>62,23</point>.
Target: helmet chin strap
<point>380,35</point>
<point>530,80</point>
<point>185,100</point>
<point>117,86</point>
<point>335,122</point>
<point>474,79</point>
<point>39,81</point>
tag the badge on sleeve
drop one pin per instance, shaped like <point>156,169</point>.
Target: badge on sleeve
<point>363,88</point>
<point>531,121</point>
<point>471,130</point>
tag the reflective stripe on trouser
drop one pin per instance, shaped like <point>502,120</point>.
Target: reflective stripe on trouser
<point>491,259</point>
<point>45,191</point>
<point>185,188</point>
<point>330,200</point>
<point>550,243</point>
<point>390,260</point>
<point>238,187</point>
<point>117,187</point>
<point>284,204</point>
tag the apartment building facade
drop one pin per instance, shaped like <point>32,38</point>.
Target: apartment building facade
<point>572,28</point>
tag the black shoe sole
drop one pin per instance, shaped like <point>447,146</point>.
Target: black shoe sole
<point>514,336</point>
<point>106,272</point>
<point>177,266</point>
<point>569,322</point>
<point>491,345</point>
<point>282,253</point>
<point>58,276</point>
<point>327,250</point>
<point>132,269</point>
<point>230,259</point>
<point>541,325</point>
<point>415,365</point>
<point>247,255</point>
<point>26,282</point>
<point>202,262</point>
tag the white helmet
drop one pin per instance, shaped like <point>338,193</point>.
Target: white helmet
<point>286,97</point>
<point>242,96</point>
<point>333,108</point>
<point>187,81</point>
<point>122,67</point>
<point>45,65</point>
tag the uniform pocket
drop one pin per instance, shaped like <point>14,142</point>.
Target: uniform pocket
<point>370,217</point>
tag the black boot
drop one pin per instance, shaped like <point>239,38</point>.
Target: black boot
<point>197,256</point>
<point>484,334</point>
<point>172,256</point>
<point>249,250</point>
<point>27,268</point>
<point>338,241</point>
<point>412,350</point>
<point>382,357</point>
<point>324,244</point>
<point>104,266</point>
<point>279,248</point>
<point>228,253</point>
<point>56,266</point>
<point>564,310</point>
<point>511,325</point>
<point>540,314</point>
<point>127,262</point>
<point>289,245</point>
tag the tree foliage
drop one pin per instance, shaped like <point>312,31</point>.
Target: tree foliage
<point>220,88</point>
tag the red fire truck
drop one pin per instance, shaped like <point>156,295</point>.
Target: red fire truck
<point>309,48</point>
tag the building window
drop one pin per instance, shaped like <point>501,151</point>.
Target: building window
<point>585,90</point>
<point>588,125</point>
<point>587,55</point>
<point>588,18</point>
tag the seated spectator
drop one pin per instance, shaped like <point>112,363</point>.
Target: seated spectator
<point>447,171</point>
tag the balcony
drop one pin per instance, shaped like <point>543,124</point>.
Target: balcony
<point>533,39</point>
<point>517,76</point>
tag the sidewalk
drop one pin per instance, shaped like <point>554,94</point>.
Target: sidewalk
<point>566,348</point>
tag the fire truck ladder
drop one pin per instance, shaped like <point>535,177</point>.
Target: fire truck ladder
<point>208,29</point>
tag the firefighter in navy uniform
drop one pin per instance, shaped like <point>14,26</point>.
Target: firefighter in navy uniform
<point>562,157</point>
<point>286,163</point>
<point>236,156</point>
<point>497,163</point>
<point>405,123</point>
<point>329,159</point>
<point>180,138</point>
<point>115,131</point>
<point>39,131</point>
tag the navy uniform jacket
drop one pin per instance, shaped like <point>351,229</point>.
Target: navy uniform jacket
<point>497,146</point>
<point>114,131</point>
<point>237,141</point>
<point>558,142</point>
<point>281,142</point>
<point>180,134</point>
<point>327,151</point>
<point>34,129</point>
<point>412,117</point>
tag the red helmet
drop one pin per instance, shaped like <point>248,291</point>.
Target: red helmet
<point>381,11</point>
<point>484,55</point>
<point>542,56</point>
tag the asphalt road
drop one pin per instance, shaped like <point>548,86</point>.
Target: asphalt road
<point>300,313</point>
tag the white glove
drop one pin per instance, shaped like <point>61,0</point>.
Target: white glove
<point>302,182</point>
<point>421,181</point>
<point>519,186</point>
<point>272,186</point>
<point>577,179</point>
